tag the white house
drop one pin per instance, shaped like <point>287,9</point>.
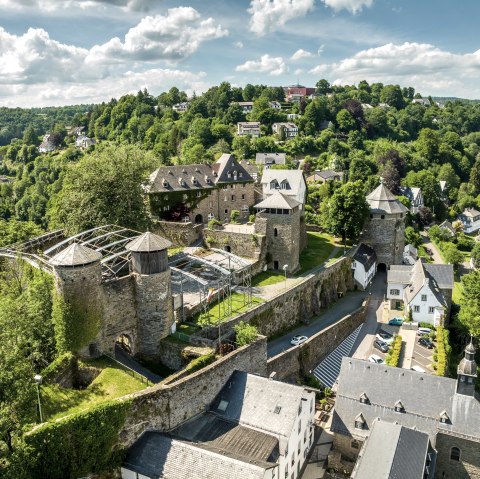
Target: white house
<point>84,142</point>
<point>246,106</point>
<point>410,254</point>
<point>290,182</point>
<point>180,107</point>
<point>448,227</point>
<point>256,428</point>
<point>424,289</point>
<point>290,129</point>
<point>415,196</point>
<point>364,265</point>
<point>251,128</point>
<point>269,159</point>
<point>470,219</point>
<point>47,145</point>
<point>276,105</point>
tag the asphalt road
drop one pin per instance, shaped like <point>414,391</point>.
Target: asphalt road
<point>337,311</point>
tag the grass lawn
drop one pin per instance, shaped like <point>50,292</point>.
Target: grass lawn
<point>187,328</point>
<point>457,290</point>
<point>266,278</point>
<point>113,382</point>
<point>318,249</point>
<point>238,306</point>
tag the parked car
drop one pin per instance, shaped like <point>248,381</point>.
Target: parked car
<point>381,345</point>
<point>422,331</point>
<point>397,321</point>
<point>373,358</point>
<point>296,340</point>
<point>385,337</point>
<point>426,342</point>
<point>418,369</point>
<point>429,251</point>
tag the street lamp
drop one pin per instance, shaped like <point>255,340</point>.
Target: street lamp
<point>38,381</point>
<point>285,267</point>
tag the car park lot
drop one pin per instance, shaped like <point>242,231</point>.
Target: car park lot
<point>423,356</point>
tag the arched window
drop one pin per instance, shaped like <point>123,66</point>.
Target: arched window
<point>275,232</point>
<point>455,454</point>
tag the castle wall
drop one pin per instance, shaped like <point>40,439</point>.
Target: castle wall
<point>180,234</point>
<point>242,244</point>
<point>469,464</point>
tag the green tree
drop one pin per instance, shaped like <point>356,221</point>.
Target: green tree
<point>469,315</point>
<point>323,87</point>
<point>345,213</point>
<point>14,231</point>
<point>104,187</point>
<point>345,121</point>
<point>392,95</point>
<point>452,254</point>
<point>245,333</point>
<point>412,237</point>
<point>30,137</point>
<point>476,255</point>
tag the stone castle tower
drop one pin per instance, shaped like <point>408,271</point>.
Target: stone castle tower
<point>385,230</point>
<point>96,313</point>
<point>278,218</point>
<point>467,372</point>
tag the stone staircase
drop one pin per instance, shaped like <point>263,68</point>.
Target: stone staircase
<point>328,370</point>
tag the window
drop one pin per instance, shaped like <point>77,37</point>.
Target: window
<point>394,292</point>
<point>277,411</point>
<point>299,426</point>
<point>254,176</point>
<point>243,197</point>
<point>382,217</point>
<point>232,187</point>
<point>424,297</point>
<point>199,193</point>
<point>225,199</point>
<point>275,232</point>
<point>186,219</point>
<point>455,454</point>
<point>210,204</point>
<point>305,436</point>
<point>211,216</point>
<point>431,309</point>
<point>233,197</point>
<point>299,447</point>
<point>354,444</point>
<point>165,208</point>
<point>244,208</point>
<point>226,212</point>
<point>416,309</point>
<point>225,187</point>
<point>223,405</point>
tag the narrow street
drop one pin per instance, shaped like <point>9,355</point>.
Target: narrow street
<point>437,257</point>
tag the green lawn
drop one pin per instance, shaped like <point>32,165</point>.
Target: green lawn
<point>113,382</point>
<point>457,290</point>
<point>216,310</point>
<point>318,249</point>
<point>266,278</point>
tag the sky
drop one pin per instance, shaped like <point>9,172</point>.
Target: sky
<point>69,52</point>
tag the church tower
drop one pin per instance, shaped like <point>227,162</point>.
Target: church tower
<point>385,230</point>
<point>467,372</point>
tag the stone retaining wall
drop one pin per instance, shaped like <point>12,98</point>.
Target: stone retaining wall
<point>242,244</point>
<point>180,234</point>
<point>300,360</point>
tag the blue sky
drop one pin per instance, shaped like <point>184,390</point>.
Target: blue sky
<point>80,51</point>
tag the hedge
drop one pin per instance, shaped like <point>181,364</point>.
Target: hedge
<point>200,362</point>
<point>443,351</point>
<point>59,366</point>
<point>394,352</point>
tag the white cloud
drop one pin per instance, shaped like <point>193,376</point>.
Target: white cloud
<point>353,6</point>
<point>421,65</point>
<point>238,45</point>
<point>266,64</point>
<point>52,5</point>
<point>300,54</point>
<point>268,15</point>
<point>298,71</point>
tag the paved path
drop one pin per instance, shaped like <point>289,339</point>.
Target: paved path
<point>335,313</point>
<point>123,357</point>
<point>409,336</point>
<point>437,258</point>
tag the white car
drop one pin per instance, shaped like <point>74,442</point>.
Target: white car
<point>373,358</point>
<point>296,340</point>
<point>385,337</point>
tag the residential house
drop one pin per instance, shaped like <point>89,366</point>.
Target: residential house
<point>252,169</point>
<point>470,219</point>
<point>289,182</point>
<point>445,409</point>
<point>296,93</point>
<point>293,116</point>
<point>424,290</point>
<point>251,128</point>
<point>410,255</point>
<point>290,129</point>
<point>421,101</point>
<point>246,106</point>
<point>448,227</point>
<point>180,107</point>
<point>443,189</point>
<point>84,142</point>
<point>269,159</point>
<point>47,145</point>
<point>364,266</point>
<point>276,105</point>
<point>198,193</point>
<point>256,428</point>
<point>323,176</point>
<point>415,196</point>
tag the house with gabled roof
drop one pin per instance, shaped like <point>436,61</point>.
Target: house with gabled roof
<point>448,227</point>
<point>269,159</point>
<point>470,219</point>
<point>289,182</point>
<point>249,128</point>
<point>415,196</point>
<point>425,291</point>
<point>364,265</point>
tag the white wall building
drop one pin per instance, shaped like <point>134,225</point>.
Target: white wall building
<point>470,219</point>
<point>289,182</point>
<point>290,129</point>
<point>251,128</point>
<point>364,265</point>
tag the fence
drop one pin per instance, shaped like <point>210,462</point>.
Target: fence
<point>135,374</point>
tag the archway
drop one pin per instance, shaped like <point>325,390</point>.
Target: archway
<point>228,249</point>
<point>124,342</point>
<point>199,219</point>
<point>382,267</point>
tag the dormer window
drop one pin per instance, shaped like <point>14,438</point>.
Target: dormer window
<point>273,185</point>
<point>444,418</point>
<point>194,180</point>
<point>285,185</point>
<point>360,422</point>
<point>165,183</point>
<point>207,179</point>
<point>181,181</point>
<point>364,399</point>
<point>240,175</point>
<point>399,407</point>
<point>229,175</point>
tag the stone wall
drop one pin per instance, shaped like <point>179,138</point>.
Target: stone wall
<point>469,464</point>
<point>299,360</point>
<point>163,407</point>
<point>241,244</point>
<point>180,234</point>
<point>297,305</point>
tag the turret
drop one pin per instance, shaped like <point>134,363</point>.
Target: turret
<point>149,254</point>
<point>467,371</point>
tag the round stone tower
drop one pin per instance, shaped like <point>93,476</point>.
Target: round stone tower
<point>153,294</point>
<point>78,277</point>
<point>467,372</point>
<point>385,230</point>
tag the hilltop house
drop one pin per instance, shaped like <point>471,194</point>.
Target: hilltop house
<point>296,93</point>
<point>364,265</point>
<point>269,159</point>
<point>246,433</point>
<point>180,107</point>
<point>289,182</point>
<point>415,196</point>
<point>323,176</point>
<point>448,227</point>
<point>84,142</point>
<point>446,410</point>
<point>470,219</point>
<point>425,290</point>
<point>47,145</point>
<point>252,128</point>
<point>198,193</point>
<point>290,129</point>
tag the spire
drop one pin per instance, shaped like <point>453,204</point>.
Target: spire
<point>467,371</point>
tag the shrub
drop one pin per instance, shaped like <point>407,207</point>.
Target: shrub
<point>234,216</point>
<point>245,333</point>
<point>200,362</point>
<point>394,352</point>
<point>212,223</point>
<point>251,218</point>
<point>443,351</point>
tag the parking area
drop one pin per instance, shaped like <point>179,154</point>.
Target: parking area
<point>422,356</point>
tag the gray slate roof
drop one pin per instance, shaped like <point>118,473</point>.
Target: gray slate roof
<point>253,400</point>
<point>158,456</point>
<point>148,243</point>
<point>328,174</point>
<point>365,255</point>
<point>75,255</point>
<point>399,273</point>
<point>271,158</point>
<point>424,397</point>
<point>392,451</point>
<point>410,193</point>
<point>226,167</point>
<point>278,200</point>
<point>441,274</point>
<point>382,200</point>
<point>294,178</point>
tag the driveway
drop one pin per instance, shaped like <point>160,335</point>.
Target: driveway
<point>437,258</point>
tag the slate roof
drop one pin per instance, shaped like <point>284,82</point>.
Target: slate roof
<point>158,456</point>
<point>441,274</point>
<point>328,174</point>
<point>448,226</point>
<point>410,193</point>
<point>75,255</point>
<point>399,274</point>
<point>392,451</point>
<point>197,177</point>
<point>271,158</point>
<point>424,397</point>
<point>271,406</point>
<point>382,200</point>
<point>366,256</point>
<point>294,178</point>
<point>470,213</point>
<point>148,243</point>
<point>278,200</point>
